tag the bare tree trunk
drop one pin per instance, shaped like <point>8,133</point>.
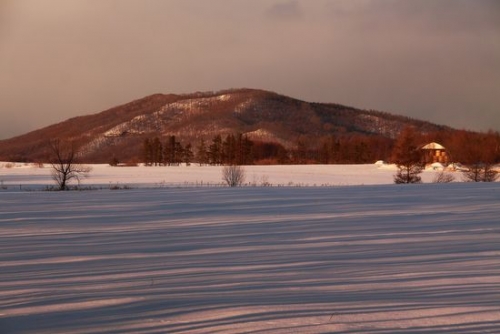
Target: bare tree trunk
<point>64,165</point>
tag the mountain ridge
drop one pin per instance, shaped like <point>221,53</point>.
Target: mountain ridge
<point>261,115</point>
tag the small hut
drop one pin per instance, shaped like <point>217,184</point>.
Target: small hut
<point>434,152</point>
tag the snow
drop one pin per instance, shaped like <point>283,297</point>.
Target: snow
<point>437,166</point>
<point>433,146</point>
<point>28,176</point>
<point>369,258</point>
<point>224,97</point>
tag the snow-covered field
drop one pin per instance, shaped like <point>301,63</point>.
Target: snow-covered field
<point>157,258</point>
<point>29,176</point>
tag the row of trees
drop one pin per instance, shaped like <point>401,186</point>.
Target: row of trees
<point>169,153</point>
<point>479,152</point>
<point>233,150</point>
<point>238,149</point>
<point>354,149</point>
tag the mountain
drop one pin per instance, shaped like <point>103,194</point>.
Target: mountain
<point>262,115</point>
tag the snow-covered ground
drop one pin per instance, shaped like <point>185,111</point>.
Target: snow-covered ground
<point>377,258</point>
<point>29,176</point>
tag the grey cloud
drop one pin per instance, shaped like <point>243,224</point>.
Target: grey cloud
<point>286,10</point>
<point>429,15</point>
<point>426,59</point>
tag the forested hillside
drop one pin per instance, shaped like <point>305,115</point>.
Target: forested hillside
<point>210,127</point>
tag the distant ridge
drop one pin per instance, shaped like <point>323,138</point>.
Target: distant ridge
<point>261,115</point>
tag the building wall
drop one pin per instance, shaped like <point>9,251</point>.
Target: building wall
<point>432,156</point>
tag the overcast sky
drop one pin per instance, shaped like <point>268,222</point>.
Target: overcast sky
<point>437,60</point>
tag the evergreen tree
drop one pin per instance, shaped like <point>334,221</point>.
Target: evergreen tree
<point>147,152</point>
<point>324,153</point>
<point>156,151</point>
<point>188,154</point>
<point>201,153</point>
<point>361,152</point>
<point>244,150</point>
<point>169,151</point>
<point>215,150</point>
<point>228,152</point>
<point>178,153</point>
<point>301,152</point>
<point>406,155</point>
<point>283,156</point>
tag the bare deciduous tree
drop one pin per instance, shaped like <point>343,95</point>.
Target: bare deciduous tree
<point>480,172</point>
<point>479,155</point>
<point>233,175</point>
<point>65,167</point>
<point>443,177</point>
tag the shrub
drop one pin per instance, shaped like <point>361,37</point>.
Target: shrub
<point>233,175</point>
<point>443,177</point>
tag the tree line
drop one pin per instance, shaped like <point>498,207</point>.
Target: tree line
<point>168,153</point>
<point>238,149</point>
<point>232,150</point>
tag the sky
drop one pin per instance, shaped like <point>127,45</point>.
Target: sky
<point>435,60</point>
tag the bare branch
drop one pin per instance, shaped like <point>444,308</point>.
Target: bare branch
<point>64,165</point>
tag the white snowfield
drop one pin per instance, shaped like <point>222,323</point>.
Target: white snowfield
<point>371,257</point>
<point>30,177</point>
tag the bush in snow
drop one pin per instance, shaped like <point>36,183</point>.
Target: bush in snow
<point>443,177</point>
<point>233,175</point>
